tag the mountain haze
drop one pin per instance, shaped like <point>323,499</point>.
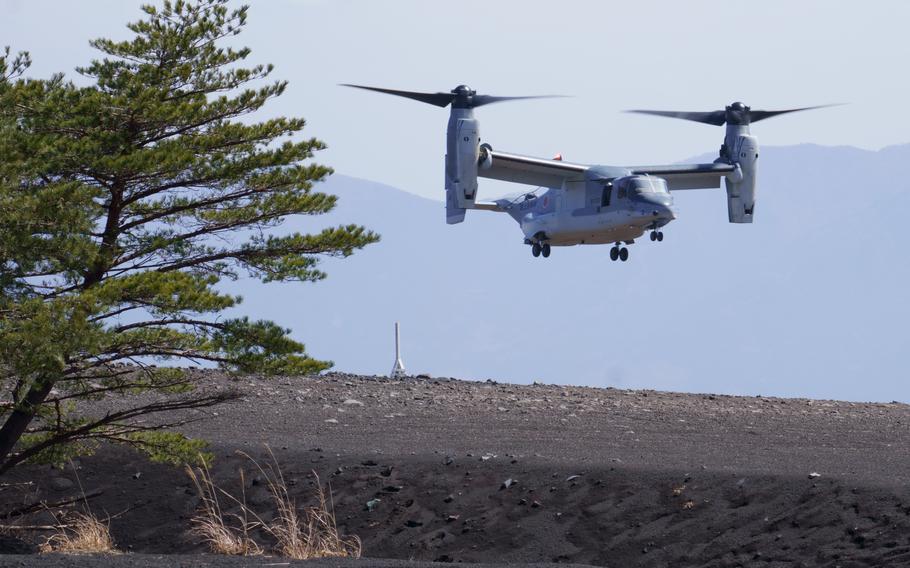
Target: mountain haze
<point>810,300</point>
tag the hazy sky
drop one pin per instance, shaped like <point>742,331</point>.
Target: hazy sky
<point>608,56</point>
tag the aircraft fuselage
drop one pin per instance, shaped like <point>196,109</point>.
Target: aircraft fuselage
<point>617,211</point>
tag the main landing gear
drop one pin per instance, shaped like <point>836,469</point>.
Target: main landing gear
<point>657,236</point>
<point>621,253</point>
<point>538,249</point>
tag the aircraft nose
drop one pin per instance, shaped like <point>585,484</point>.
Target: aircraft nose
<point>664,211</point>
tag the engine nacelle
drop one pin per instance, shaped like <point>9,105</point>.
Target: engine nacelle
<point>462,154</point>
<point>742,183</point>
<point>467,154</point>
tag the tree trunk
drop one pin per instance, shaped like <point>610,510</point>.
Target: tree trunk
<point>25,411</point>
<point>20,418</point>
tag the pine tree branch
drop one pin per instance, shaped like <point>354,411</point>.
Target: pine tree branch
<point>85,431</point>
<point>201,204</point>
<point>206,230</point>
<point>167,322</point>
<point>42,505</point>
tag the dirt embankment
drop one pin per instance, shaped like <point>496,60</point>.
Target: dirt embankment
<point>437,469</point>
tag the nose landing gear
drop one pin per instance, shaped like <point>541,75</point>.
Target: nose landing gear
<point>657,236</point>
<point>539,248</point>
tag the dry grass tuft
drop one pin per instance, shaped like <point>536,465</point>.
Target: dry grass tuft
<point>210,523</point>
<point>312,534</point>
<point>84,534</point>
<point>315,535</point>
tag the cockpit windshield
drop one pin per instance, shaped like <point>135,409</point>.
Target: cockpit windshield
<point>649,185</point>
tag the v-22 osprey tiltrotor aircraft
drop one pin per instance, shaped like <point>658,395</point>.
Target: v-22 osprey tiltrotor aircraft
<point>584,204</point>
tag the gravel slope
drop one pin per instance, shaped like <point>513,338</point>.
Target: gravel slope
<point>473,472</point>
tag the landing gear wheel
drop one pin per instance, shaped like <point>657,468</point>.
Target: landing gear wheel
<point>653,235</point>
<point>545,249</point>
<point>614,253</point>
<point>660,236</point>
<point>623,254</point>
<point>535,250</point>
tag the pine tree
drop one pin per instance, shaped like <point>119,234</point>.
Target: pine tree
<point>122,206</point>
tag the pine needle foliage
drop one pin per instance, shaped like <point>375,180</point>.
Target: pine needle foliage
<point>123,204</point>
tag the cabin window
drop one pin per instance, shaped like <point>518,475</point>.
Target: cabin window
<point>605,198</point>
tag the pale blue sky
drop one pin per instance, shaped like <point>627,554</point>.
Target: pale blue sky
<point>608,56</point>
<point>810,300</point>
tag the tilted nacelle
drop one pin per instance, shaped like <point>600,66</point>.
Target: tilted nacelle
<point>742,183</point>
<point>740,150</point>
<point>462,155</point>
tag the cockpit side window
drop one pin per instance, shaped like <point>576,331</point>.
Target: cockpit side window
<point>621,194</point>
<point>605,198</point>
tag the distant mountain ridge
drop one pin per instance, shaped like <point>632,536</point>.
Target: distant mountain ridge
<point>810,300</point>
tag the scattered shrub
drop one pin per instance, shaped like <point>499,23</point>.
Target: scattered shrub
<point>85,533</point>
<point>210,523</point>
<point>310,534</point>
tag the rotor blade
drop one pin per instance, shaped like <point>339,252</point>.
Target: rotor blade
<point>757,115</point>
<point>480,100</point>
<point>437,99</point>
<point>717,117</point>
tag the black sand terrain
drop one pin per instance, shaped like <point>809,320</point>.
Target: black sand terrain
<point>459,471</point>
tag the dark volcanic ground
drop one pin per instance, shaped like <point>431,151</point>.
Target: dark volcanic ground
<point>597,476</point>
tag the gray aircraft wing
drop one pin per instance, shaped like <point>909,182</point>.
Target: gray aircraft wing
<point>531,171</point>
<point>552,173</point>
<point>688,176</point>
